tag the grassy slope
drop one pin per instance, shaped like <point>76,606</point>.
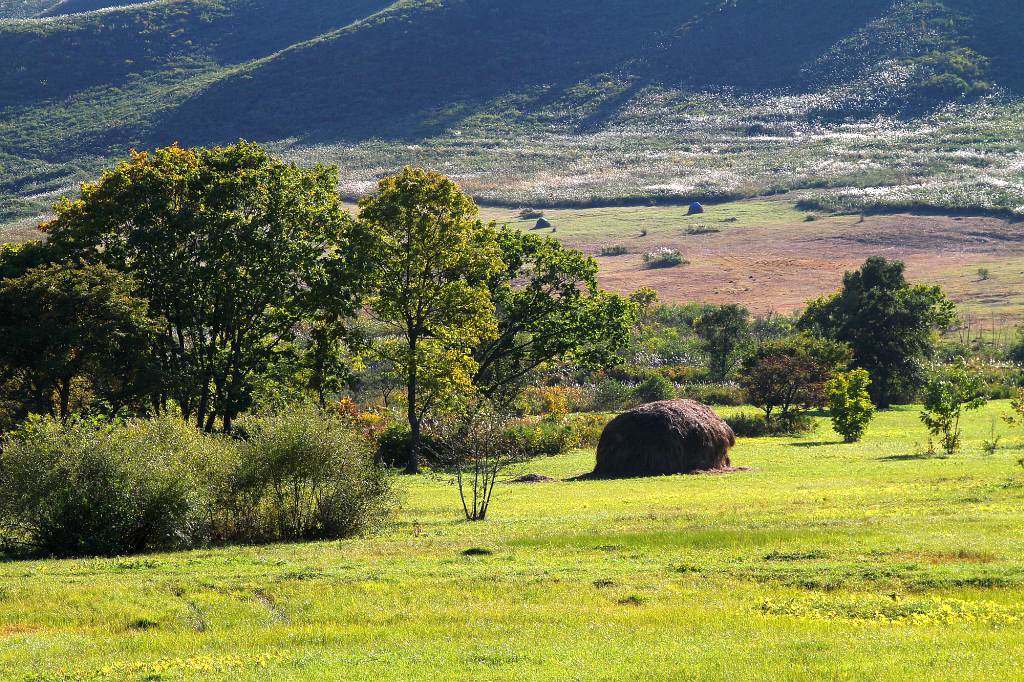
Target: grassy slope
<point>521,89</point>
<point>776,573</point>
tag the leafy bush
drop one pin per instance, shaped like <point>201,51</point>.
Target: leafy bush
<point>746,425</point>
<point>617,250</point>
<point>715,394</point>
<point>610,395</point>
<point>655,387</point>
<point>546,438</point>
<point>552,400</point>
<point>530,214</point>
<point>850,404</point>
<point>393,445</point>
<point>88,488</point>
<point>664,258</point>
<point>949,392</point>
<point>694,230</point>
<point>587,429</point>
<point>304,477</point>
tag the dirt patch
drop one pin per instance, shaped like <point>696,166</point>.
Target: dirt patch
<point>533,478</point>
<point>724,471</point>
<point>779,267</point>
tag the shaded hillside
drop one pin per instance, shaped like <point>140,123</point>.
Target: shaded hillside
<point>83,86</point>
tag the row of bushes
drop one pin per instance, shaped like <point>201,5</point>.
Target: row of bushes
<point>554,434</point>
<point>88,488</point>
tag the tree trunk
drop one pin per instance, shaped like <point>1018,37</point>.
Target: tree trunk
<point>412,464</point>
<point>65,399</point>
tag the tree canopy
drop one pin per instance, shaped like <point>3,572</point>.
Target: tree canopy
<point>549,308</point>
<point>889,324</point>
<point>230,247</point>
<point>74,330</point>
<point>432,261</point>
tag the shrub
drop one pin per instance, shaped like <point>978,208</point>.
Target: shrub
<point>587,429</point>
<point>694,230</point>
<point>393,445</point>
<point>93,489</point>
<point>302,476</point>
<point>655,387</point>
<point>610,395</point>
<point>664,258</point>
<point>948,393</point>
<point>551,400</point>
<point>530,214</point>
<point>87,488</point>
<point>850,404</point>
<point>614,251</point>
<point>546,438</point>
<point>715,394</point>
<point>746,425</point>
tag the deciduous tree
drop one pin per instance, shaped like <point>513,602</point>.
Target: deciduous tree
<point>65,327</point>
<point>433,260</point>
<point>231,247</point>
<point>549,308</point>
<point>889,324</point>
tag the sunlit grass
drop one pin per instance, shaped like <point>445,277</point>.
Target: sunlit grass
<point>825,561</point>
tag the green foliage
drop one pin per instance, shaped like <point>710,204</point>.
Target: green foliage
<point>549,310</point>
<point>789,375</point>
<point>550,436</point>
<point>724,332</point>
<point>610,395</point>
<point>1016,351</point>
<point>432,262</point>
<point>654,388</point>
<point>954,73</point>
<point>715,394</point>
<point>849,404</point>
<point>86,488</point>
<point>664,257</point>
<point>231,248</point>
<point>303,476</point>
<point>74,338</point>
<point>889,324</point>
<point>746,425</point>
<point>948,393</point>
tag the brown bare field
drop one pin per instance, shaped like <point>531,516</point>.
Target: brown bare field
<point>770,257</point>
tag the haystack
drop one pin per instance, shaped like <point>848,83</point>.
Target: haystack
<point>664,438</point>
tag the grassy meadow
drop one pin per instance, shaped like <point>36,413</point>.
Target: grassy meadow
<point>824,561</point>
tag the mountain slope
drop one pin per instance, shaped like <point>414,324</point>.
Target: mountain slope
<point>86,80</point>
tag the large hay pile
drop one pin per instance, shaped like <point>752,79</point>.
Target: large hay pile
<point>664,438</point>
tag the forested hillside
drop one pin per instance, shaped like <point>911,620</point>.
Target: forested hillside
<point>324,79</point>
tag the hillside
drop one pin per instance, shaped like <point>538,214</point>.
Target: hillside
<point>571,102</point>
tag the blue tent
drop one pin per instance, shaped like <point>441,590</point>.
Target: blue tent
<point>695,208</point>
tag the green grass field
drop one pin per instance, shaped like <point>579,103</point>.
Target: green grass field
<point>826,561</point>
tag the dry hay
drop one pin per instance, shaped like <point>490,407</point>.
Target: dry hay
<point>662,439</point>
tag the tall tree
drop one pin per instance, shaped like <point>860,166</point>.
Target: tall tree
<point>433,259</point>
<point>724,332</point>
<point>549,308</point>
<point>231,247</point>
<point>890,325</point>
<point>65,328</point>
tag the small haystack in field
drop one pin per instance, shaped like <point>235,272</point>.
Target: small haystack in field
<point>664,438</point>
